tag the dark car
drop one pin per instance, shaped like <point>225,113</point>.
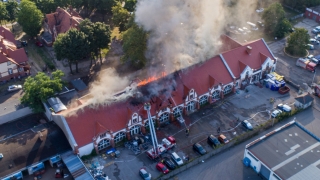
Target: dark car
<point>197,147</point>
<point>247,124</point>
<point>170,164</point>
<point>213,141</point>
<point>39,44</point>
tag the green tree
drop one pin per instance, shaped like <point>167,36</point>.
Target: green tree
<point>282,28</point>
<point>86,26</point>
<point>12,9</point>
<point>41,87</point>
<point>120,15</point>
<point>3,12</point>
<point>102,34</point>
<point>71,46</point>
<point>272,16</point>
<point>30,18</point>
<point>45,6</point>
<point>297,42</point>
<point>134,46</point>
<point>130,5</point>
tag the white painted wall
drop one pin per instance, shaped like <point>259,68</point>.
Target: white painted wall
<point>256,165</point>
<point>85,150</point>
<point>4,68</point>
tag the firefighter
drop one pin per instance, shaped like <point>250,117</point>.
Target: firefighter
<point>187,132</point>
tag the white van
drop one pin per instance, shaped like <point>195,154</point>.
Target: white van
<point>252,26</point>
<point>176,158</point>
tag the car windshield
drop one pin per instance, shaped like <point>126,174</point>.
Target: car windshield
<point>216,141</point>
<point>145,175</point>
<point>178,159</point>
<point>164,168</point>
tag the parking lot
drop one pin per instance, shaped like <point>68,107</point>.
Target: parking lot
<point>252,106</point>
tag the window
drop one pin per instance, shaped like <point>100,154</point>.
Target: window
<point>177,112</point>
<point>10,71</point>
<point>135,120</point>
<point>247,73</point>
<point>267,64</point>
<point>146,124</point>
<point>190,106</point>
<point>164,117</point>
<point>237,83</point>
<point>135,130</point>
<point>203,100</point>
<point>191,94</point>
<point>9,63</point>
<point>102,135</point>
<point>216,95</point>
<point>227,89</point>
<point>20,69</point>
<point>103,144</point>
<point>119,137</point>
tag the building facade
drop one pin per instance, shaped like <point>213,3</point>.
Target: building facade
<point>178,94</point>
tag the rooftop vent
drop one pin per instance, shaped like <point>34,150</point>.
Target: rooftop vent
<point>249,49</point>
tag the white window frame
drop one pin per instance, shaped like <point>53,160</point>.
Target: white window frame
<point>104,143</point>
<point>20,69</point>
<point>177,111</point>
<point>227,89</point>
<point>135,130</point>
<point>10,71</point>
<point>191,106</point>
<point>203,100</point>
<point>164,117</point>
<point>216,95</point>
<point>191,94</point>
<point>119,136</point>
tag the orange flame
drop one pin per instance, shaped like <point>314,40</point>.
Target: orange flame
<point>150,79</point>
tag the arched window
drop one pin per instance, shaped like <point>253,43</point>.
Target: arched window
<point>191,94</point>
<point>216,95</point>
<point>104,143</point>
<point>135,118</point>
<point>203,100</point>
<point>237,83</point>
<point>227,89</point>
<point>119,137</point>
<point>267,64</point>
<point>164,117</point>
<point>190,106</point>
<point>247,73</point>
<point>177,112</point>
<point>135,130</point>
<point>146,124</point>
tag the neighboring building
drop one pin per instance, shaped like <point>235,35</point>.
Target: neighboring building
<point>313,13</point>
<point>179,93</point>
<point>290,152</point>
<point>59,22</point>
<point>13,61</point>
<point>303,101</point>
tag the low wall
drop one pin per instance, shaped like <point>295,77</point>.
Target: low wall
<point>15,115</point>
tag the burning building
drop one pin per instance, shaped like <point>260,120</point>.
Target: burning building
<point>170,96</point>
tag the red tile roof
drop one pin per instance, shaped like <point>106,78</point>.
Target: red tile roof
<point>228,43</point>
<point>6,33</point>
<point>63,20</point>
<point>90,122</point>
<point>253,60</point>
<point>18,55</point>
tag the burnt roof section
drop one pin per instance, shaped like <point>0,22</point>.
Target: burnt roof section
<point>289,151</point>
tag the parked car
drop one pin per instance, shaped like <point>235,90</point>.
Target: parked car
<point>312,40</point>
<point>247,124</point>
<point>276,113</point>
<point>197,147</point>
<point>317,37</point>
<point>162,168</point>
<point>313,59</point>
<point>284,107</point>
<point>213,141</point>
<point>14,88</point>
<point>169,163</point>
<point>39,44</point>
<point>260,10</point>
<point>176,158</point>
<point>144,174</point>
<point>310,46</point>
<point>316,30</point>
<point>223,139</point>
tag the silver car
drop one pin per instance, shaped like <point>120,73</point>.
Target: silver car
<point>144,174</point>
<point>14,88</point>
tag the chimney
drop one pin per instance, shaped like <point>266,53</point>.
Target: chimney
<point>249,49</point>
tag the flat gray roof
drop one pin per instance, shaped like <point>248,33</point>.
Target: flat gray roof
<point>291,152</point>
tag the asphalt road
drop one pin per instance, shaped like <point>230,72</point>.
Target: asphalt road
<point>10,102</point>
<point>228,165</point>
